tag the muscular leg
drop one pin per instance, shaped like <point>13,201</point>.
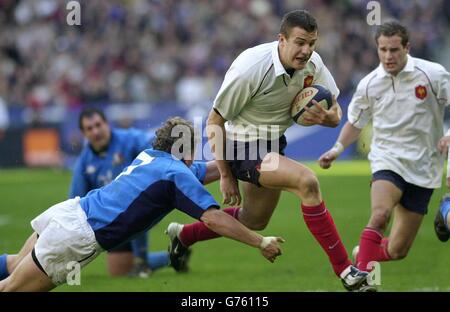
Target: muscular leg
<point>13,260</point>
<point>27,277</point>
<point>258,206</point>
<point>281,173</point>
<point>403,232</point>
<point>384,197</point>
<point>119,263</point>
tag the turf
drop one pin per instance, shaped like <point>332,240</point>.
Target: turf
<point>225,265</point>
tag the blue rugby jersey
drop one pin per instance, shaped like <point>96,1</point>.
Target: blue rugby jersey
<point>94,170</point>
<point>147,190</point>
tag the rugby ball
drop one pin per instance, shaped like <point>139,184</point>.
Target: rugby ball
<point>304,98</point>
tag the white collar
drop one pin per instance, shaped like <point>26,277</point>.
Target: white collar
<point>279,68</point>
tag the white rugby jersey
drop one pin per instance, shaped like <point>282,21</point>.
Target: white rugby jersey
<point>407,111</point>
<point>256,94</point>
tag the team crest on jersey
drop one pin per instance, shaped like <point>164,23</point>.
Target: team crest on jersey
<point>117,159</point>
<point>421,92</point>
<point>90,169</point>
<point>307,82</point>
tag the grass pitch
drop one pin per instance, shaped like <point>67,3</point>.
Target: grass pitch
<point>225,265</point>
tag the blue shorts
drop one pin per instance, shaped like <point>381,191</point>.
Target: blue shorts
<point>247,157</point>
<point>414,198</point>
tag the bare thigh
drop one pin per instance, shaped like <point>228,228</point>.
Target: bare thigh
<point>27,277</point>
<point>282,173</point>
<point>26,249</point>
<point>277,173</point>
<point>384,197</point>
<point>258,205</point>
<point>404,229</point>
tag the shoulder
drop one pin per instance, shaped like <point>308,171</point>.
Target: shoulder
<point>86,153</point>
<point>177,170</point>
<point>126,132</point>
<point>125,135</point>
<point>365,83</point>
<point>316,61</point>
<point>433,70</point>
<point>255,61</point>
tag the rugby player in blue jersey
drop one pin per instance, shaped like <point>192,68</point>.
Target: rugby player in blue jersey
<point>106,153</point>
<point>156,182</point>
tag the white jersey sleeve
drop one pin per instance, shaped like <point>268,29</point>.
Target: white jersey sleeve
<point>233,95</point>
<point>360,109</point>
<point>443,86</point>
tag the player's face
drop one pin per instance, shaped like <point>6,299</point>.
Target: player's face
<point>97,132</point>
<point>392,54</point>
<point>296,50</point>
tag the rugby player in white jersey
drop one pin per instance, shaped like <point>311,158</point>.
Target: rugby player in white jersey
<point>405,98</point>
<point>253,105</point>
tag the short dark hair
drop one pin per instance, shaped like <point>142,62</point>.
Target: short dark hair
<point>297,18</point>
<point>88,113</point>
<point>165,139</point>
<point>390,29</point>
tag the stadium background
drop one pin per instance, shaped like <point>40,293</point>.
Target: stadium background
<point>143,61</point>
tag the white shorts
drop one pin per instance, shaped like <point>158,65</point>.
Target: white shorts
<point>66,240</point>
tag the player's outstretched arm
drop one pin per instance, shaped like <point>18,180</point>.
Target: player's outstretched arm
<point>225,225</point>
<point>348,135</point>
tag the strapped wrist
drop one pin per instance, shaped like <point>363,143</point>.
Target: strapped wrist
<point>265,242</point>
<point>338,148</point>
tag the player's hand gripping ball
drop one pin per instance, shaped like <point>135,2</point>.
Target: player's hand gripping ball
<point>305,97</point>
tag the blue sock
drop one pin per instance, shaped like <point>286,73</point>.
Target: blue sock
<point>3,267</point>
<point>140,246</point>
<point>158,259</point>
<point>445,209</point>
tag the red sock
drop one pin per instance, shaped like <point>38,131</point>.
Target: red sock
<point>372,247</point>
<point>321,225</point>
<point>195,232</point>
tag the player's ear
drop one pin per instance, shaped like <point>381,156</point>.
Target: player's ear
<point>408,47</point>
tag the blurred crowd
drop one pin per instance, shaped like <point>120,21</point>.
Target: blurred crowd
<point>178,50</point>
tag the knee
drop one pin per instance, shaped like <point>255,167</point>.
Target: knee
<point>309,185</point>
<point>379,218</point>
